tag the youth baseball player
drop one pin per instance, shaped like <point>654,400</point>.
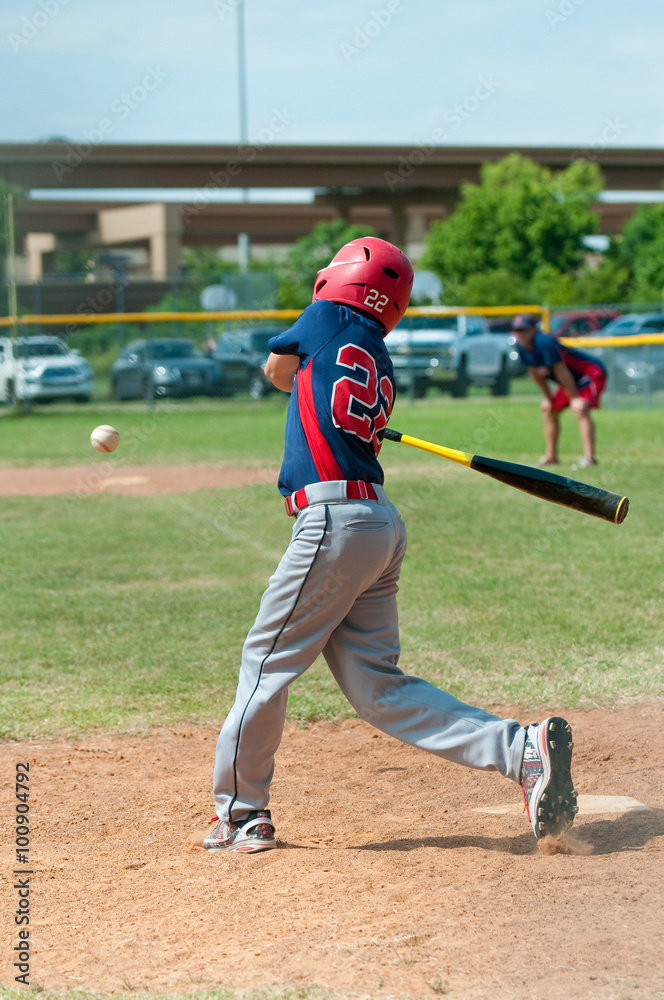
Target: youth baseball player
<point>580,382</point>
<point>334,591</point>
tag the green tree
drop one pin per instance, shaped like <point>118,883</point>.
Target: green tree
<point>74,261</point>
<point>641,251</point>
<point>487,287</point>
<point>205,265</point>
<point>309,254</point>
<point>609,282</point>
<point>517,233</point>
<point>200,267</point>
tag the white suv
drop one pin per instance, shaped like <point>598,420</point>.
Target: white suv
<point>633,368</point>
<point>42,369</point>
<point>450,352</point>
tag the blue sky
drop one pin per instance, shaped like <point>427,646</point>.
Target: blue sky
<point>511,72</point>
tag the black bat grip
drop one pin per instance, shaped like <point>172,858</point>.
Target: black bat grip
<point>558,489</point>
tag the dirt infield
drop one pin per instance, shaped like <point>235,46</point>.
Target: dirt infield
<point>108,476</point>
<point>392,877</point>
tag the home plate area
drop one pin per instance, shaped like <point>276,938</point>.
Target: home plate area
<point>397,874</point>
<point>596,805</point>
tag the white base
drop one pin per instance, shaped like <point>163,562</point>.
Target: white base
<point>588,805</point>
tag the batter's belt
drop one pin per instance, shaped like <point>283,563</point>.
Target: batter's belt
<point>336,491</point>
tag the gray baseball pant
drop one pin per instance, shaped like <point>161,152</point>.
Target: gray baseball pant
<point>334,592</point>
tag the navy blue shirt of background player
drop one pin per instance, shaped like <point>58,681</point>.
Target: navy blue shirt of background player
<point>546,351</point>
<point>341,400</point>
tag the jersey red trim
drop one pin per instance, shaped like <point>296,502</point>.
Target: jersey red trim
<point>326,464</point>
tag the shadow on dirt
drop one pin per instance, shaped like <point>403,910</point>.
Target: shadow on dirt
<point>525,844</point>
<point>627,832</point>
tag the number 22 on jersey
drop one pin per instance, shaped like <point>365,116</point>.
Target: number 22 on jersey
<point>361,407</point>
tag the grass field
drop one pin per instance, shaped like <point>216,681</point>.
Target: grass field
<point>297,993</point>
<point>119,612</point>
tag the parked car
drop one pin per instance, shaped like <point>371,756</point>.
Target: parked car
<point>43,369</point>
<point>164,367</point>
<point>632,368</point>
<point>242,354</point>
<point>450,352</point>
<point>503,327</point>
<point>581,322</point>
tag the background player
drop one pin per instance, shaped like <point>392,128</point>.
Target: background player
<point>334,591</point>
<point>581,380</point>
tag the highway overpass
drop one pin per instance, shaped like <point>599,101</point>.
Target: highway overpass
<point>399,190</point>
<point>385,171</point>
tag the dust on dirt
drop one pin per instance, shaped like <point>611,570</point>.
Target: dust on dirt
<point>397,873</point>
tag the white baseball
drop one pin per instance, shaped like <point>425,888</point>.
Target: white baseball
<point>104,438</point>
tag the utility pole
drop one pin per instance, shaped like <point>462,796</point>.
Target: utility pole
<point>242,238</point>
<point>10,259</point>
<point>12,300</point>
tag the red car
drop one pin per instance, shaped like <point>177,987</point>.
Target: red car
<point>581,323</point>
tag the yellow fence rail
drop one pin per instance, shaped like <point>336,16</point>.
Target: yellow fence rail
<point>635,340</point>
<point>89,319</point>
<point>70,319</point>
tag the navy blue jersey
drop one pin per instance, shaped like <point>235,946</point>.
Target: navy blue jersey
<point>341,400</point>
<point>546,352</point>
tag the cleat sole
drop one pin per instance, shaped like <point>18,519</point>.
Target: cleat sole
<point>556,786</point>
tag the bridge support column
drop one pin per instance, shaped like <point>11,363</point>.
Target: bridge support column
<point>159,223</point>
<point>37,244</point>
<point>399,224</point>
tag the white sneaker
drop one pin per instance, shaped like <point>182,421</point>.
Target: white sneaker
<point>253,833</point>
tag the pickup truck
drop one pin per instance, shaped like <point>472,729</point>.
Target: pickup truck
<point>451,353</point>
<point>42,369</point>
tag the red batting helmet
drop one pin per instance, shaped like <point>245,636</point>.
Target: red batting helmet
<point>370,274</point>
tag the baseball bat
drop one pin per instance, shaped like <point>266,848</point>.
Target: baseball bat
<point>546,485</point>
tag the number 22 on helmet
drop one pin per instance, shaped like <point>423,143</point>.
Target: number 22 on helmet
<point>370,274</point>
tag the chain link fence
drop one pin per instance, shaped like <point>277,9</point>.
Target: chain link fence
<point>470,352</point>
